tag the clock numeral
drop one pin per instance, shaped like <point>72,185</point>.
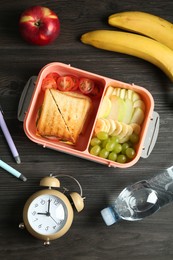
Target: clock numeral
<point>56,202</point>
<point>42,202</point>
<point>47,228</point>
<point>54,227</point>
<point>35,219</point>
<point>34,213</point>
<point>36,205</point>
<point>40,226</point>
<point>60,221</point>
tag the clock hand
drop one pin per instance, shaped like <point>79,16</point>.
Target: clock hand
<point>54,220</point>
<point>48,211</point>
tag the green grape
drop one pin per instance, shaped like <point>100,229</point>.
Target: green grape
<point>104,142</point>
<point>102,135</point>
<point>121,158</point>
<point>112,156</point>
<point>130,152</point>
<point>110,146</point>
<point>124,147</point>
<point>115,139</point>
<point>117,148</point>
<point>134,138</point>
<point>95,150</point>
<point>104,153</point>
<point>95,141</point>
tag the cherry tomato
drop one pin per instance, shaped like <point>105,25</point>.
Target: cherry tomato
<point>53,75</point>
<point>86,85</point>
<point>64,83</point>
<point>48,83</point>
<point>75,82</point>
<point>96,92</point>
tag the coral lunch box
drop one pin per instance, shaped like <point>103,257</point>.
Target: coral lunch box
<point>32,99</point>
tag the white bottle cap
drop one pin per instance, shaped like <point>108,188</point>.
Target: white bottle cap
<point>108,216</point>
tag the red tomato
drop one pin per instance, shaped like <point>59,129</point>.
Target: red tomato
<point>53,75</point>
<point>75,82</point>
<point>86,85</point>
<point>48,83</point>
<point>96,92</point>
<point>64,83</point>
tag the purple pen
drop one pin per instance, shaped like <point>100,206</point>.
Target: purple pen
<point>9,138</point>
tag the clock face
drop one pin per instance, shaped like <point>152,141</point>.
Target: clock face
<point>47,214</point>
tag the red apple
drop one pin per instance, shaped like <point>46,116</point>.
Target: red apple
<point>39,25</point>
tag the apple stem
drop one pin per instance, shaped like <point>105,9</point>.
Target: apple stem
<point>38,23</point>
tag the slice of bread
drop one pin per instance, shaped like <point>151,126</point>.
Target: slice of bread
<point>63,114</point>
<point>50,122</point>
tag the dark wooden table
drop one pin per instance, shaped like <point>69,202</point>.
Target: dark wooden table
<point>88,238</point>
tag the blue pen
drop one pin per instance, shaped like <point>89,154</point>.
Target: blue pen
<point>9,138</point>
<point>11,170</point>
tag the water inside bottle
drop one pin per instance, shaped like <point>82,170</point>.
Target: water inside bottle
<point>136,201</point>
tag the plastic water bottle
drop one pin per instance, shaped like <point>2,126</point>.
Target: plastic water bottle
<point>141,199</point>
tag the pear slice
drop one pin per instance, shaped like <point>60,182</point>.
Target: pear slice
<point>117,109</point>
<point>128,111</point>
<point>105,107</point>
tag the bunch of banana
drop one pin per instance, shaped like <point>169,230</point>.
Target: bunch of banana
<point>151,50</point>
<point>146,24</point>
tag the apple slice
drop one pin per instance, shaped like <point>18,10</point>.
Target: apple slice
<point>139,103</point>
<point>109,91</point>
<point>105,107</point>
<point>123,93</point>
<point>138,116</point>
<point>135,96</point>
<point>116,92</point>
<point>117,109</point>
<point>130,93</point>
<point>128,111</point>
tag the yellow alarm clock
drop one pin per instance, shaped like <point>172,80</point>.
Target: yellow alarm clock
<point>48,213</point>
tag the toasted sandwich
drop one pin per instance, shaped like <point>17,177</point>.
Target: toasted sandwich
<point>63,115</point>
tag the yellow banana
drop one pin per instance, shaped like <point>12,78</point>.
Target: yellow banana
<point>146,24</point>
<point>132,44</point>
